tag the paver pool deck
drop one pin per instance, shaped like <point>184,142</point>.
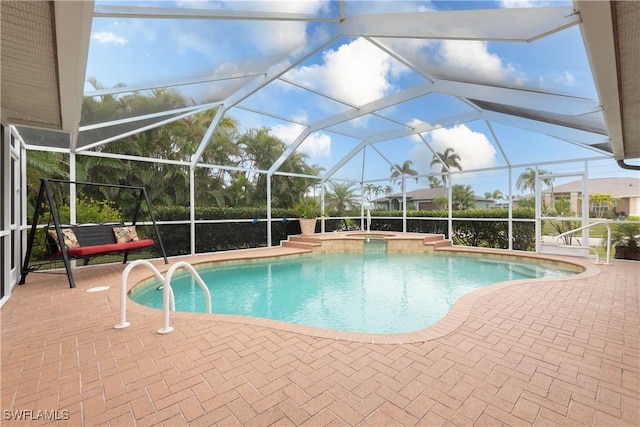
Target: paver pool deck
<point>545,352</point>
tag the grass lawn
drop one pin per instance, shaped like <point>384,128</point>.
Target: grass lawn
<point>598,231</point>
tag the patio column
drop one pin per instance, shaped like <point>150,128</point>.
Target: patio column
<point>192,210</point>
<point>510,214</point>
<point>450,208</point>
<point>269,210</point>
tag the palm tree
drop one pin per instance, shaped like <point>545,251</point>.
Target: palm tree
<point>449,160</point>
<point>527,179</point>
<point>371,190</point>
<point>462,196</point>
<point>44,164</point>
<point>399,172</point>
<point>496,195</point>
<point>341,197</point>
<point>314,184</point>
<point>434,182</point>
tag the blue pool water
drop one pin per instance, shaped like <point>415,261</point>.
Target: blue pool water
<point>373,293</point>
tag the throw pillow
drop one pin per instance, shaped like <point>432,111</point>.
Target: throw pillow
<point>70,239</point>
<point>125,234</point>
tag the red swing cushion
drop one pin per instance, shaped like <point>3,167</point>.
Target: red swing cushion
<point>98,239</point>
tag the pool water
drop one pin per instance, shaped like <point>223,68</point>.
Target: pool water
<point>371,292</point>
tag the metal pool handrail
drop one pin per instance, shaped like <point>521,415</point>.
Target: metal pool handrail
<point>168,300</point>
<point>123,289</point>
<point>606,224</point>
<point>167,291</point>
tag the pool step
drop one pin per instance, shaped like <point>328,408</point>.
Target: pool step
<point>311,243</point>
<point>302,242</point>
<point>305,239</point>
<point>436,240</point>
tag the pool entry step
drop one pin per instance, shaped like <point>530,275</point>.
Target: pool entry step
<point>374,242</point>
<point>374,246</point>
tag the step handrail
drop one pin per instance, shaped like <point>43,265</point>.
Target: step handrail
<point>606,224</point>
<point>167,293</point>
<point>123,289</point>
<point>168,299</point>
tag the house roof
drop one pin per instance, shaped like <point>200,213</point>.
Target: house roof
<point>618,187</point>
<point>419,194</point>
<point>422,194</point>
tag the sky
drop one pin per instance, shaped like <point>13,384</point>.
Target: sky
<point>356,71</point>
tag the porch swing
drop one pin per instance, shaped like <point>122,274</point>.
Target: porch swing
<point>85,241</point>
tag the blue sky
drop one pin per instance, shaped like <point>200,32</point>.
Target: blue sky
<point>353,70</point>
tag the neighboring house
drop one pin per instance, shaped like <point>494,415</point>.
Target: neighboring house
<point>422,200</point>
<point>626,191</point>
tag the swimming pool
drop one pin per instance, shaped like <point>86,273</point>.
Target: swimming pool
<point>356,292</point>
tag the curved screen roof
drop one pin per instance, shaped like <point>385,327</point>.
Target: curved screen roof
<point>339,80</point>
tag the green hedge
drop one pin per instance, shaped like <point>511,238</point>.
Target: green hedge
<point>240,235</point>
<point>222,236</point>
<point>487,234</point>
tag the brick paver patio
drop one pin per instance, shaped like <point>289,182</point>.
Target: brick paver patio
<point>551,352</point>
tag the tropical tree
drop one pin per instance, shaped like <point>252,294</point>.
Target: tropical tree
<point>441,202</point>
<point>287,189</point>
<point>527,179</point>
<point>449,159</point>
<point>371,191</point>
<point>434,182</point>
<point>314,184</point>
<point>496,195</point>
<point>177,140</point>
<point>601,203</point>
<point>399,172</point>
<point>562,208</point>
<point>387,190</point>
<point>259,151</point>
<point>341,197</point>
<point>44,164</point>
<point>462,196</point>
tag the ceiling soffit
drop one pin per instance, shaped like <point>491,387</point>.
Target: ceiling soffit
<point>30,92</point>
<point>626,26</point>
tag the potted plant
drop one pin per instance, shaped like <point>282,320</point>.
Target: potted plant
<point>626,240</point>
<point>307,209</point>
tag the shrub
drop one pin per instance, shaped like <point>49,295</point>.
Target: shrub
<point>91,211</point>
<point>228,236</point>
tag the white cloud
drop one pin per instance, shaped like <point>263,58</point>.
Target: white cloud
<point>474,148</point>
<point>357,72</point>
<point>107,37</point>
<point>553,80</point>
<point>472,58</point>
<point>467,59</point>
<point>255,44</point>
<point>281,38</point>
<point>373,7</point>
<point>517,3</point>
<point>315,145</point>
<point>508,4</point>
<point>191,41</point>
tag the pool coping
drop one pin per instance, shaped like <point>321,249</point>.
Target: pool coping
<point>457,315</point>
